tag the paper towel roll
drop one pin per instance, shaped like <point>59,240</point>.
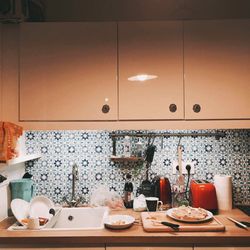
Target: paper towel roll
<point>223,186</point>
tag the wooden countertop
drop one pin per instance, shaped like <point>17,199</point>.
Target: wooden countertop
<point>134,235</point>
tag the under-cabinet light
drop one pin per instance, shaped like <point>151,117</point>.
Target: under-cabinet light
<point>142,78</point>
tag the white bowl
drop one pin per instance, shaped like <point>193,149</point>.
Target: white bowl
<point>119,221</point>
<point>20,209</point>
<point>40,206</point>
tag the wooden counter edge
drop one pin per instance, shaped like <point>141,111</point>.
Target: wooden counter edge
<point>233,241</point>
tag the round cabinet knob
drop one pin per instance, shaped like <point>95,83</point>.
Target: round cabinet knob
<point>105,108</point>
<point>196,108</point>
<point>172,108</point>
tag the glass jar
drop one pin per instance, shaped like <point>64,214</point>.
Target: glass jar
<point>179,196</point>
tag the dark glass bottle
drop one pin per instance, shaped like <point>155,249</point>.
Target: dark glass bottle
<point>162,190</point>
<point>165,191</point>
<point>128,192</point>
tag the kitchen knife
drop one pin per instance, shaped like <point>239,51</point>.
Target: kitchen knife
<point>238,223</point>
<point>172,225</point>
<point>167,224</point>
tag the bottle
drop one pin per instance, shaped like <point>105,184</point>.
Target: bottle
<point>139,149</point>
<point>128,192</point>
<point>165,191</point>
<point>127,149</point>
<point>178,194</point>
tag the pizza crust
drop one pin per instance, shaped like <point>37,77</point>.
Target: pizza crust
<point>189,213</point>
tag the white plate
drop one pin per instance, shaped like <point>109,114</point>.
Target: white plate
<point>20,209</point>
<point>40,206</point>
<point>209,217</point>
<point>16,226</point>
<point>112,221</point>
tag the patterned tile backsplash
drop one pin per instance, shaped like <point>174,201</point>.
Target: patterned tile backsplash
<point>91,151</point>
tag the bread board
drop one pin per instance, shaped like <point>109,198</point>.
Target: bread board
<point>150,222</point>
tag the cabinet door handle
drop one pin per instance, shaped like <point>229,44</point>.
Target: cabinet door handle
<point>196,108</point>
<point>105,108</point>
<point>172,107</point>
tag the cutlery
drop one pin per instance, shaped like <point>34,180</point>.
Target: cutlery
<point>168,224</point>
<point>237,223</point>
<point>172,225</point>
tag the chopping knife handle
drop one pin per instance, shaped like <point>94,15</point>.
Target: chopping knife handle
<point>172,225</point>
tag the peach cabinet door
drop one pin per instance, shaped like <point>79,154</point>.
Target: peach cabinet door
<point>221,248</point>
<point>147,248</point>
<point>68,71</point>
<point>53,248</point>
<point>217,69</point>
<point>154,48</point>
<point>1,66</point>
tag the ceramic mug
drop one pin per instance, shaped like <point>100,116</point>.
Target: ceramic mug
<point>153,204</point>
<point>33,223</point>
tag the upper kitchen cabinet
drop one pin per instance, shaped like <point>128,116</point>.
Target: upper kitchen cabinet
<point>68,71</point>
<point>150,50</point>
<point>217,69</point>
<point>1,66</point>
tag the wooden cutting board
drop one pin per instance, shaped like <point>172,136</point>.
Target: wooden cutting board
<point>150,224</point>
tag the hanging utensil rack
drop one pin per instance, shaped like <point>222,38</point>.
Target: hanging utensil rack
<point>217,135</point>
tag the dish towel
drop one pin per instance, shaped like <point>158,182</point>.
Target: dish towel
<point>9,133</point>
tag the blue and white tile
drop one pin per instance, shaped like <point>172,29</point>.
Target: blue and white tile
<point>91,151</point>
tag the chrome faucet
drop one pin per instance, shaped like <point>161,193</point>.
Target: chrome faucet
<point>75,201</point>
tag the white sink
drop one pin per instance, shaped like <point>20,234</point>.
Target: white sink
<point>83,218</point>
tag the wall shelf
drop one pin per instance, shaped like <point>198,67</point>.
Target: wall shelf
<point>122,158</point>
<point>23,158</point>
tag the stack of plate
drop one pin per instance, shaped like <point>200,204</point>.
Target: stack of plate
<point>38,207</point>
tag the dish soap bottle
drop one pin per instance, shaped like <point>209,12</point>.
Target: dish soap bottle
<point>128,192</point>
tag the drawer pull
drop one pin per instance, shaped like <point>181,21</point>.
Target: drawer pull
<point>172,108</point>
<point>196,108</point>
<point>105,108</point>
